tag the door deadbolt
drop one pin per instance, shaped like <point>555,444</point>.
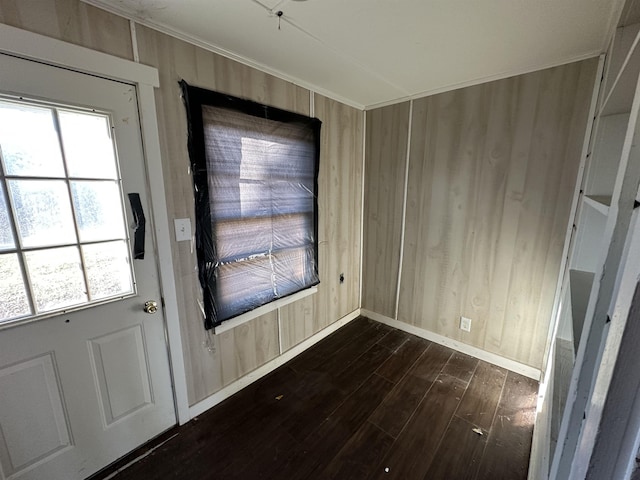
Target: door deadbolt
<point>151,306</point>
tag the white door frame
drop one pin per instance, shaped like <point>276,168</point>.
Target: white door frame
<point>40,48</point>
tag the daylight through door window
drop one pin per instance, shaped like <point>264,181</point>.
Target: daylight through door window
<point>63,236</point>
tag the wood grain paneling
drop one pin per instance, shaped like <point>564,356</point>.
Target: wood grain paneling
<point>71,21</point>
<point>339,220</point>
<point>216,360</point>
<point>385,166</point>
<point>491,175</point>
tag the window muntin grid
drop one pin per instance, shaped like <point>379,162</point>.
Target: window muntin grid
<point>63,235</point>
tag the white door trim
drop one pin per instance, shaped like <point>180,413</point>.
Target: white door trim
<point>40,48</point>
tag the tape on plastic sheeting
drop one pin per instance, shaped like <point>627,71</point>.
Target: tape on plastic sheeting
<point>140,225</point>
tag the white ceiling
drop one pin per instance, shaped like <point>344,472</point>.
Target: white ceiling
<point>373,52</point>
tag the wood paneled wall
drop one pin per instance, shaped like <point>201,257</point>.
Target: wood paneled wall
<point>213,361</point>
<point>385,171</point>
<point>492,170</point>
<point>340,207</point>
<point>70,21</point>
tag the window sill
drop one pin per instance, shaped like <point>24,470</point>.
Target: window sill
<point>270,307</point>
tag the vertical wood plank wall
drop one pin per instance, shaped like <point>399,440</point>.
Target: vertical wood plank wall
<point>71,21</point>
<point>340,206</point>
<point>213,361</point>
<point>385,165</point>
<point>492,170</point>
<point>491,173</point>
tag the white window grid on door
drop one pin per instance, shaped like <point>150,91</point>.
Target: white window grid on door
<point>85,246</point>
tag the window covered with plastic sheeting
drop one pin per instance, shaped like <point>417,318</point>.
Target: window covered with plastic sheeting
<point>255,177</point>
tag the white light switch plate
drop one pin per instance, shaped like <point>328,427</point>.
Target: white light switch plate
<point>183,229</point>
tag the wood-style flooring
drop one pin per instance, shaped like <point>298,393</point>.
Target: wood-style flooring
<point>368,401</point>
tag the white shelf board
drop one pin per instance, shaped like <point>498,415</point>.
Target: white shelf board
<point>620,96</point>
<point>562,370</point>
<point>602,167</point>
<point>600,202</point>
<point>580,284</point>
<point>622,43</point>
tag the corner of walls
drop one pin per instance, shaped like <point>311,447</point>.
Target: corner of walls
<point>246,380</point>
<point>458,221</point>
<point>216,363</point>
<point>500,361</point>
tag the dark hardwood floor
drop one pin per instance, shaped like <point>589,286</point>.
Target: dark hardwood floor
<point>367,402</point>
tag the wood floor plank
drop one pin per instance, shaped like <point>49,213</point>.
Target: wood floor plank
<point>318,421</point>
<point>322,392</point>
<point>406,354</point>
<point>412,453</point>
<point>509,444</point>
<point>394,339</point>
<point>328,439</point>
<point>459,454</point>
<point>461,366</point>
<point>338,360</point>
<point>481,399</point>
<point>360,455</point>
<point>393,414</point>
<point>364,366</point>
<point>315,356</point>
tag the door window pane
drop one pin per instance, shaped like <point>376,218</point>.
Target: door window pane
<point>88,146</point>
<point>6,237</point>
<point>12,290</point>
<point>98,209</point>
<point>63,230</point>
<point>29,141</point>
<point>56,278</point>
<point>43,212</point>
<point>108,269</point>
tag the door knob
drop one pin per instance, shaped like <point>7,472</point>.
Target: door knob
<point>151,306</point>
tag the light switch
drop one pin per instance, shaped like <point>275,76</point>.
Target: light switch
<point>183,229</point>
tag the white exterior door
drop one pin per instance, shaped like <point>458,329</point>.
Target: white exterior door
<point>84,371</point>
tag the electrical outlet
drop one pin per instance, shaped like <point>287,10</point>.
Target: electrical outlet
<point>465,324</point>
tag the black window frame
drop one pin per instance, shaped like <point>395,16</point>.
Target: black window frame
<point>194,99</point>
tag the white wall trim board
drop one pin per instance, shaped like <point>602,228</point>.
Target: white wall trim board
<point>279,331</point>
<point>180,35</point>
<point>151,140</point>
<point>404,208</point>
<point>312,103</point>
<point>540,451</point>
<point>46,50</point>
<point>476,352</point>
<point>51,51</point>
<point>488,78</point>
<point>586,145</point>
<point>211,401</point>
<point>362,186</point>
<point>134,41</point>
<point>269,307</point>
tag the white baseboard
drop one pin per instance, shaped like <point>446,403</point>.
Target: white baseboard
<point>248,379</point>
<point>476,352</point>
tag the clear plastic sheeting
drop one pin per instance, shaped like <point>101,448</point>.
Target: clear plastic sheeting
<point>255,173</point>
